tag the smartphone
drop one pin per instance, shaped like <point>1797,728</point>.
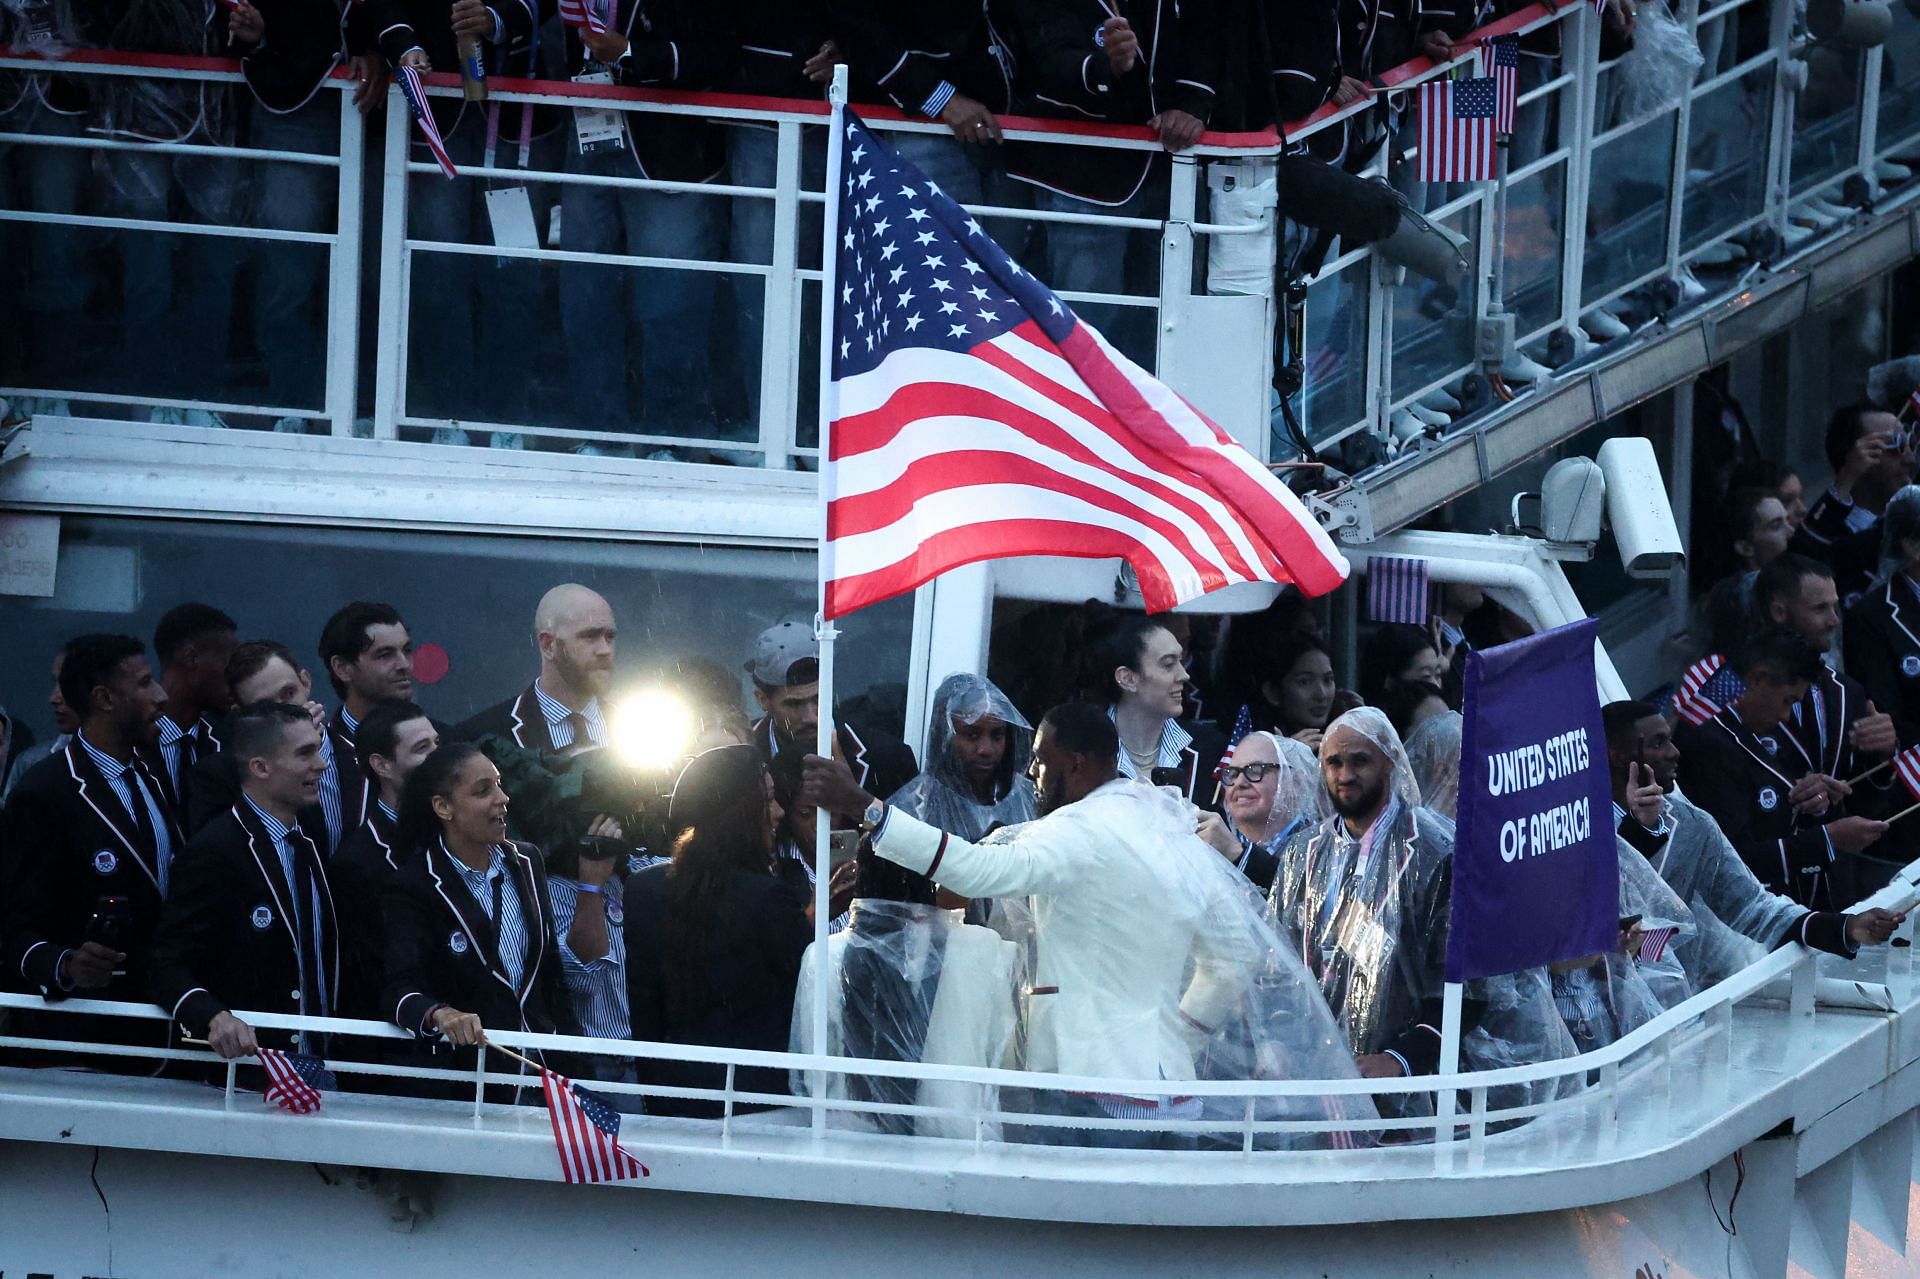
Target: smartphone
<point>1629,922</point>
<point>841,846</point>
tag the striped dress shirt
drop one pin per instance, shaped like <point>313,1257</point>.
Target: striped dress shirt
<point>511,927</point>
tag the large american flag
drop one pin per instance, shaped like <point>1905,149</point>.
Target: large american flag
<point>295,1080</point>
<point>1456,129</point>
<point>1506,80</point>
<point>975,416</point>
<point>587,1132</point>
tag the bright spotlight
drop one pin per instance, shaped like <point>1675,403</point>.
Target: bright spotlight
<point>653,729</point>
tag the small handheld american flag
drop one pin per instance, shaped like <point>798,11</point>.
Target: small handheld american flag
<point>1706,687</point>
<point>295,1080</point>
<point>1506,81</point>
<point>1397,589</point>
<point>587,1132</point>
<point>1653,943</point>
<point>1907,765</point>
<point>1456,129</point>
<point>582,13</point>
<point>1242,725</point>
<point>416,94</point>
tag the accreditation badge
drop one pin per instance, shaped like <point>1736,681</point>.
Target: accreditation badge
<point>596,129</point>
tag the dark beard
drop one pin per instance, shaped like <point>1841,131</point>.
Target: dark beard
<point>1371,802</point>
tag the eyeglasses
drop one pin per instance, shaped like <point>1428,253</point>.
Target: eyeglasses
<point>1255,773</point>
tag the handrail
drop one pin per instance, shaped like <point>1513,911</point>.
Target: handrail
<point>1791,960</point>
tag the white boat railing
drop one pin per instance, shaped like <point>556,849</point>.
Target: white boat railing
<point>1594,1091</point>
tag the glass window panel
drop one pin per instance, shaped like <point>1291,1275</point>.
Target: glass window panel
<point>1534,251</point>
<point>1627,207</point>
<point>1433,323</point>
<point>1826,117</point>
<point>1335,392</point>
<point>1727,157</point>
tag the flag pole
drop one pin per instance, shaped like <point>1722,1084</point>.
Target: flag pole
<point>824,630</point>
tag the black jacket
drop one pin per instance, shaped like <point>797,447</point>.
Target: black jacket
<point>304,41</point>
<point>228,940</point>
<point>881,764</point>
<point>747,970</point>
<point>776,39</point>
<point>360,872</point>
<point>213,787</point>
<point>1882,642</point>
<point>68,843</point>
<point>909,51</point>
<point>672,44</point>
<point>441,949</point>
<point>1728,770</point>
<point>1065,75</point>
<point>518,719</point>
<point>1852,554</point>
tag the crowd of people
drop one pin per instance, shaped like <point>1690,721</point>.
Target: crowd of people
<point>686,338</point>
<point>1209,859</point>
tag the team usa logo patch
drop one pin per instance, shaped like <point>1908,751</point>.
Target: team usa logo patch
<point>616,913</point>
<point>1771,745</point>
<point>104,862</point>
<point>262,917</point>
<point>1910,665</point>
<point>457,943</point>
<point>1768,798</point>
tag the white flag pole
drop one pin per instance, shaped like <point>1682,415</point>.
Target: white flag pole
<point>1447,1102</point>
<point>824,631</point>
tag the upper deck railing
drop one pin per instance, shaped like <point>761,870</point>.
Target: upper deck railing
<point>1614,211</point>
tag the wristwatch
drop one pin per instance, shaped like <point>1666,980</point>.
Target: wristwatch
<point>871,819</point>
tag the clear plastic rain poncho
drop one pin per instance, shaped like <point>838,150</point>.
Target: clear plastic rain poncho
<point>1736,919</point>
<point>1619,993</point>
<point>1299,797</point>
<point>1152,962</point>
<point>1369,918</point>
<point>1433,750</point>
<point>942,795</point>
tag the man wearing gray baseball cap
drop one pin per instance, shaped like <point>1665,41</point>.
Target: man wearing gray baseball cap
<point>785,666</point>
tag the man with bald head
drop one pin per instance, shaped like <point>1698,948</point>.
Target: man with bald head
<point>560,711</point>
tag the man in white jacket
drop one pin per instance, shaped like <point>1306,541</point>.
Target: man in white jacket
<point>1149,943</point>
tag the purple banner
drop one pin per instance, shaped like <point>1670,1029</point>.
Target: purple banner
<point>1535,876</point>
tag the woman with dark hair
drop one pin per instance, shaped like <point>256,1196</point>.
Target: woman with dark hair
<point>1295,688</point>
<point>714,939</point>
<point>1397,654</point>
<point>470,941</point>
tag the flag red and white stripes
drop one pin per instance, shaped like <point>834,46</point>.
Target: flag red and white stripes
<point>582,13</point>
<point>1689,702</point>
<point>293,1082</point>
<point>1653,943</point>
<point>1456,130</point>
<point>586,1130</point>
<point>1505,52</point>
<point>975,417</point>
<point>1907,765</point>
<point>416,95</point>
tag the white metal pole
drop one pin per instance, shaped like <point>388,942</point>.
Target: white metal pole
<point>823,629</point>
<point>1446,1102</point>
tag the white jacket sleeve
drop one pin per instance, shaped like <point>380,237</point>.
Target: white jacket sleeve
<point>1046,855</point>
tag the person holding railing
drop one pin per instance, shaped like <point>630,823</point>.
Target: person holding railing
<point>287,49</point>
<point>1117,63</point>
<point>714,938</point>
<point>88,846</point>
<point>165,277</point>
<point>470,941</point>
<point>468,347</point>
<point>1737,917</point>
<point>44,268</point>
<point>943,60</point>
<point>680,44</point>
<point>249,921</point>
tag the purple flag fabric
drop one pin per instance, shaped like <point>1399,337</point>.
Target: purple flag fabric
<point>1397,589</point>
<point>1535,875</point>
